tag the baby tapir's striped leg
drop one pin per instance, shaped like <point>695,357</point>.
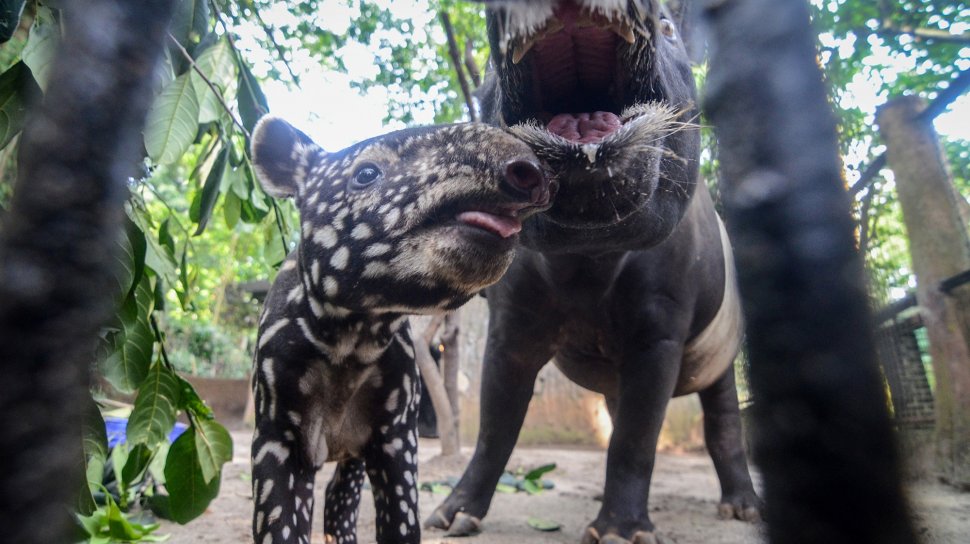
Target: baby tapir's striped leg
<point>282,490</point>
<point>342,501</point>
<point>392,456</point>
<point>282,473</point>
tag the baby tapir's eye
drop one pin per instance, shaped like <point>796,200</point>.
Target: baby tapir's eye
<point>365,175</point>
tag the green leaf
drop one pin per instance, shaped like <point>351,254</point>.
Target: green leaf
<point>214,445</point>
<point>231,209</point>
<point>10,11</point>
<point>189,494</point>
<point>15,86</point>
<point>538,472</point>
<point>95,447</point>
<point>210,191</point>
<point>505,488</point>
<point>165,238</point>
<point>130,358</point>
<point>274,252</point>
<point>172,122</point>
<point>155,407</point>
<point>250,97</point>
<point>138,460</point>
<point>131,259</point>
<point>531,487</point>
<point>41,46</point>
<point>190,401</point>
<point>190,23</point>
<point>218,65</point>
<point>545,525</point>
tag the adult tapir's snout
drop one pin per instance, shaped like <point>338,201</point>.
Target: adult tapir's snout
<point>524,178</point>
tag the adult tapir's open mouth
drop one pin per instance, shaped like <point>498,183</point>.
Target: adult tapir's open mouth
<point>578,80</point>
<point>569,65</point>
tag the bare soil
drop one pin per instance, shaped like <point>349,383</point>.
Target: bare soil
<point>683,502</point>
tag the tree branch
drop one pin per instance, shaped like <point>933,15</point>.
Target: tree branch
<point>456,62</point>
<point>211,85</point>
<point>473,71</point>
<point>929,34</point>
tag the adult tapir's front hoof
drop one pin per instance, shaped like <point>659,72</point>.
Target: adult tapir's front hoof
<point>743,506</point>
<point>592,536</point>
<point>458,524</point>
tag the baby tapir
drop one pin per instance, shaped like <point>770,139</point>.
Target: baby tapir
<point>416,221</point>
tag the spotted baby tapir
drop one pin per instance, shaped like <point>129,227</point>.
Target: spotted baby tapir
<point>416,221</point>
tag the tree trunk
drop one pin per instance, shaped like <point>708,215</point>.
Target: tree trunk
<point>433,380</point>
<point>940,248</point>
<point>450,357</point>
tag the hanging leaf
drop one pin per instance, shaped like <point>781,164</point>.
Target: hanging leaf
<point>137,463</point>
<point>95,447</point>
<point>38,54</point>
<point>252,101</point>
<point>210,191</point>
<point>214,445</point>
<point>16,86</point>
<point>131,346</point>
<point>155,407</point>
<point>189,494</point>
<point>218,65</point>
<point>172,122</point>
<point>10,12</point>
<point>190,401</point>
<point>231,209</point>
<point>190,24</point>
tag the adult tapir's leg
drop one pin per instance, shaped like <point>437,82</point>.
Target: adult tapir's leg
<point>723,436</point>
<point>342,502</point>
<point>519,345</point>
<point>647,378</point>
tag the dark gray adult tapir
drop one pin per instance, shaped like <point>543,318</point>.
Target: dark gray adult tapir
<point>627,282</point>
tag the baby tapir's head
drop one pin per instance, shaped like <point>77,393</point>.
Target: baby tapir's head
<point>413,221</point>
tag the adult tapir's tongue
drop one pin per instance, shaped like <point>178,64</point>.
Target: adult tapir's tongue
<point>584,128</point>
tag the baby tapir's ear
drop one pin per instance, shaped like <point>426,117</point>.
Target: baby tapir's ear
<point>281,156</point>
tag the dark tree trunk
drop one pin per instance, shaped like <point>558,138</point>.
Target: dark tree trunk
<point>823,438</point>
<point>940,248</point>
<point>57,247</point>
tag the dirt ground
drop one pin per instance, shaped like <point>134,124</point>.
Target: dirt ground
<point>683,503</point>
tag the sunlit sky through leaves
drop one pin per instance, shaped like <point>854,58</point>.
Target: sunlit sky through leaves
<point>336,115</point>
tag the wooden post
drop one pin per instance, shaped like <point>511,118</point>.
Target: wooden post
<point>939,248</point>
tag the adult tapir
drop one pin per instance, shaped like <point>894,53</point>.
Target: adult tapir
<point>627,282</point>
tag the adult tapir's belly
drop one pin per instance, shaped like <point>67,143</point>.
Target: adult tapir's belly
<point>585,355</point>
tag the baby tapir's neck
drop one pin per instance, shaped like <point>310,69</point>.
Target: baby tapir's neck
<point>338,335</point>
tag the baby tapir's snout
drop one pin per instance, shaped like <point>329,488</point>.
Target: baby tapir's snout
<point>524,178</point>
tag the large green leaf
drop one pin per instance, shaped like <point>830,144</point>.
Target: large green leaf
<point>210,191</point>
<point>190,23</point>
<point>218,65</point>
<point>130,358</point>
<point>252,101</point>
<point>172,122</point>
<point>94,441</point>
<point>15,86</point>
<point>214,446</point>
<point>137,463</point>
<point>38,54</point>
<point>10,11</point>
<point>155,407</point>
<point>188,491</point>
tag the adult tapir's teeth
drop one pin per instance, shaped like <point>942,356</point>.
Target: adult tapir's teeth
<point>521,49</point>
<point>624,30</point>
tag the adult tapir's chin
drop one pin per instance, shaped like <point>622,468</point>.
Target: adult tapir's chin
<point>623,186</point>
<point>603,92</point>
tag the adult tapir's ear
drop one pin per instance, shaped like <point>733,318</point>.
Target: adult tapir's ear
<point>281,156</point>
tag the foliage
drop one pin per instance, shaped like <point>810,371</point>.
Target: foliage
<point>905,47</point>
